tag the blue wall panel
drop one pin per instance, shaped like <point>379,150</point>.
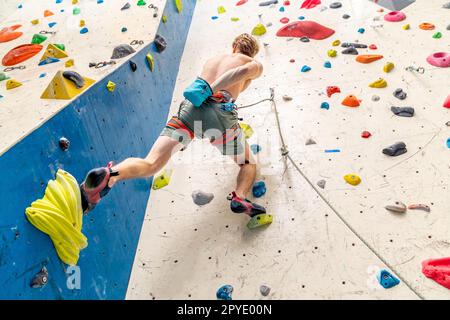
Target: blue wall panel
<point>101,126</point>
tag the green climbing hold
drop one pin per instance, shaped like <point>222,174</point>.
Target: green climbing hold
<point>141,3</point>
<point>38,39</point>
<point>259,221</point>
<point>164,19</point>
<point>151,61</point>
<point>3,76</point>
<point>76,11</point>
<point>221,9</point>
<point>437,35</point>
<point>259,30</point>
<point>60,46</point>
<point>234,19</point>
<point>179,5</point>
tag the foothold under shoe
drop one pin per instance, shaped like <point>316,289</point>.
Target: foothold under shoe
<point>403,111</point>
<point>400,94</point>
<point>75,77</point>
<point>201,198</point>
<point>350,50</point>
<point>397,207</point>
<point>396,149</point>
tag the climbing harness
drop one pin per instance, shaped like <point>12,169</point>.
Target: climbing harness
<point>152,6</point>
<point>420,70</point>
<point>285,153</point>
<point>136,42</point>
<point>101,64</point>
<point>47,32</point>
<point>13,68</point>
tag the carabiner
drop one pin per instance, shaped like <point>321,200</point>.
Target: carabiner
<point>137,42</point>
<point>47,32</point>
<point>13,68</point>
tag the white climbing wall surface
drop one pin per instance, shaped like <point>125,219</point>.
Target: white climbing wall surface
<point>319,247</point>
<point>22,110</point>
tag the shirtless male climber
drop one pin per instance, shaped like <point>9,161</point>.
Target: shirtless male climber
<point>208,111</point>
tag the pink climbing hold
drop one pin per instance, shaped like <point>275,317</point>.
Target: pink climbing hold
<point>438,270</point>
<point>439,59</point>
<point>284,20</point>
<point>309,4</point>
<point>286,3</point>
<point>241,2</point>
<point>395,16</point>
<point>310,29</point>
<point>373,47</point>
<point>447,102</point>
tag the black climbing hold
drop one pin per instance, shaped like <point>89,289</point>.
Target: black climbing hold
<point>375,98</point>
<point>354,45</point>
<point>304,39</point>
<point>268,3</point>
<point>126,6</point>
<point>321,183</point>
<point>64,143</point>
<point>160,43</point>
<point>92,64</point>
<point>335,5</point>
<point>446,5</point>
<point>265,290</point>
<point>345,16</point>
<point>403,111</point>
<point>122,50</point>
<point>133,66</point>
<point>396,149</point>
<point>350,50</point>
<point>75,77</point>
<point>40,279</point>
<point>399,94</point>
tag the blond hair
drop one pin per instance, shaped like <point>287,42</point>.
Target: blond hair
<point>246,44</point>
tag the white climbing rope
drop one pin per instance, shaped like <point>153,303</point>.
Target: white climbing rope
<point>285,154</point>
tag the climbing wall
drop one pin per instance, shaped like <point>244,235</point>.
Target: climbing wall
<point>324,243</point>
<point>101,125</point>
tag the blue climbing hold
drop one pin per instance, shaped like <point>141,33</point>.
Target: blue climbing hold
<point>386,279</point>
<point>255,148</point>
<point>48,61</point>
<point>214,17</point>
<point>448,142</point>
<point>62,10</point>
<point>281,9</point>
<point>124,29</point>
<point>84,30</point>
<point>58,1</point>
<point>42,75</point>
<point>301,18</point>
<point>325,105</point>
<point>327,64</point>
<point>99,1</point>
<point>224,292</point>
<point>259,189</point>
<point>361,30</point>
<point>332,151</point>
<point>51,24</point>
<point>19,6</point>
<point>306,68</point>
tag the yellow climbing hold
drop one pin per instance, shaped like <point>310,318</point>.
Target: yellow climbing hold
<point>259,30</point>
<point>111,86</point>
<point>332,53</point>
<point>388,67</point>
<point>62,88</point>
<point>380,83</point>
<point>336,43</point>
<point>179,5</point>
<point>151,61</point>
<point>234,19</point>
<point>74,1</point>
<point>221,9</point>
<point>35,21</point>
<point>259,221</point>
<point>82,23</point>
<point>11,84</point>
<point>164,19</point>
<point>248,131</point>
<point>162,180</point>
<point>69,63</point>
<point>406,27</point>
<point>59,214</point>
<point>352,179</point>
<point>53,51</point>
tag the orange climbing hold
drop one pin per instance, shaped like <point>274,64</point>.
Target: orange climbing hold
<point>310,29</point>
<point>351,101</point>
<point>426,26</point>
<point>368,58</point>
<point>20,54</point>
<point>48,13</point>
<point>9,33</point>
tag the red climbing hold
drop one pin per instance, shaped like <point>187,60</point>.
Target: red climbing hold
<point>286,3</point>
<point>438,270</point>
<point>21,53</point>
<point>284,20</point>
<point>9,33</point>
<point>366,134</point>
<point>373,47</point>
<point>309,4</point>
<point>447,103</point>
<point>292,60</point>
<point>332,90</point>
<point>310,29</point>
<point>241,2</point>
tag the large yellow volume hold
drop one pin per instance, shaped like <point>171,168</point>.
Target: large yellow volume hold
<point>59,214</point>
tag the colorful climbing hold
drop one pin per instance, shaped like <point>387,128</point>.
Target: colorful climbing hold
<point>259,30</point>
<point>48,61</point>
<point>373,47</point>
<point>35,21</point>
<point>69,63</point>
<point>48,13</point>
<point>332,90</point>
<point>352,179</point>
<point>162,180</point>
<point>351,101</point>
<point>179,5</point>
<point>426,26</point>
<point>386,279</point>
<point>255,148</point>
<point>332,53</point>
<point>335,43</point>
<point>439,59</point>
<point>327,64</point>
<point>111,86</point>
<point>38,39</point>
<point>12,84</point>
<point>248,131</point>
<point>141,3</point>
<point>325,105</point>
<point>447,103</point>
<point>366,134</point>
<point>368,58</point>
<point>3,76</point>
<point>259,189</point>
<point>309,4</point>
<point>20,54</point>
<point>9,33</point>
<point>66,86</point>
<point>241,2</point>
<point>380,83</point>
<point>305,68</point>
<point>259,220</point>
<point>361,30</point>
<point>284,20</point>
<point>84,30</point>
<point>437,35</point>
<point>234,19</point>
<point>310,29</point>
<point>388,67</point>
<point>221,10</point>
<point>394,16</point>
<point>54,51</point>
<point>397,207</point>
<point>224,292</point>
<point>82,23</point>
<point>150,61</point>
<point>406,27</point>
<point>438,270</point>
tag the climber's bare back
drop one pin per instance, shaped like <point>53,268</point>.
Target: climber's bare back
<point>220,64</point>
